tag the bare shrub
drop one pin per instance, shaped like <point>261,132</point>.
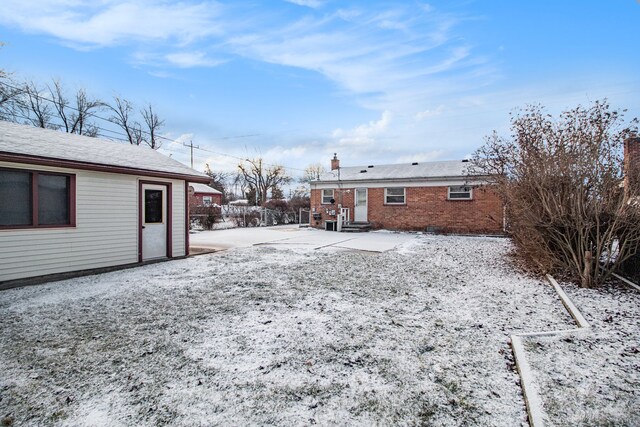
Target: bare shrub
<point>631,267</point>
<point>248,218</point>
<point>205,216</point>
<point>280,209</point>
<point>562,182</point>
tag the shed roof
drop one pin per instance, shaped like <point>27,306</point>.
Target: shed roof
<point>418,170</point>
<point>41,146</point>
<point>203,188</point>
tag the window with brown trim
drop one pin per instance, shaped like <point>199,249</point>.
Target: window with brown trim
<point>36,199</point>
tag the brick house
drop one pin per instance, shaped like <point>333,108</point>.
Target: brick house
<point>204,195</point>
<point>631,267</point>
<point>432,196</point>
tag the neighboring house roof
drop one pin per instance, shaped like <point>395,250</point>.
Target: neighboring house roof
<point>21,143</point>
<point>203,188</point>
<point>409,171</point>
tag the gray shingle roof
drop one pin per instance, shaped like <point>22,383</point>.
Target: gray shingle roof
<point>51,144</point>
<point>426,170</point>
<point>203,188</point>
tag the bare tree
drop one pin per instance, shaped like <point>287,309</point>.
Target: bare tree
<point>75,118</point>
<point>260,179</point>
<point>122,116</point>
<point>313,172</point>
<point>154,124</point>
<point>10,94</point>
<point>50,107</point>
<point>219,181</point>
<point>561,180</point>
<point>84,109</point>
<point>34,108</point>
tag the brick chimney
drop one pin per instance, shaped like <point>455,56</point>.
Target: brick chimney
<point>335,163</point>
<point>631,153</point>
<point>632,158</point>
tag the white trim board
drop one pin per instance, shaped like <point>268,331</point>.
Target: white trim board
<point>393,183</point>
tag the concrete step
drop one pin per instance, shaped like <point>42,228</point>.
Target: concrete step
<point>356,227</point>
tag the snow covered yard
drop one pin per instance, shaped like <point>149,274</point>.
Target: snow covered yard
<point>593,377</point>
<point>282,334</point>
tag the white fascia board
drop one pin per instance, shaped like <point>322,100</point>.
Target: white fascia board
<point>442,182</point>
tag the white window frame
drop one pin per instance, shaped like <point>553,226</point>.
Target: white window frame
<point>326,200</point>
<point>404,196</point>
<point>456,189</point>
<point>207,200</point>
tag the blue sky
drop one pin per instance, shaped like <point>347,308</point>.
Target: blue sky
<point>377,82</point>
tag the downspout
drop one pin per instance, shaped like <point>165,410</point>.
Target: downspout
<point>504,219</point>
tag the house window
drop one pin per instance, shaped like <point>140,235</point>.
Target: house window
<point>36,199</point>
<point>462,192</point>
<point>207,200</point>
<point>327,197</point>
<point>394,196</point>
<point>15,198</point>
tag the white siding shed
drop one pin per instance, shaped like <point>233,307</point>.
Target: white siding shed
<point>109,204</point>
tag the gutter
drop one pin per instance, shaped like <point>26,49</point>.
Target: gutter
<point>76,164</point>
<point>412,179</point>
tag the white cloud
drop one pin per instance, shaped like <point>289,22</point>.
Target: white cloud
<point>280,154</point>
<point>182,139</point>
<point>426,7</point>
<point>364,134</point>
<point>219,163</point>
<point>112,22</point>
<point>426,114</point>
<point>428,156</point>
<point>389,57</point>
<point>160,74</point>
<point>191,59</point>
<point>395,58</point>
<point>314,4</point>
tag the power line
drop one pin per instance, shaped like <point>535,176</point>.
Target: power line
<point>60,125</point>
<point>244,159</point>
<point>161,137</point>
<point>44,98</point>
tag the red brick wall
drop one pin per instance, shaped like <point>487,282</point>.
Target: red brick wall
<point>425,207</point>
<point>342,197</point>
<point>215,198</point>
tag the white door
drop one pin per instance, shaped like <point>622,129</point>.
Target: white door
<point>154,221</point>
<point>360,211</point>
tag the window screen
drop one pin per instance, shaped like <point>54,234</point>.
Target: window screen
<point>53,199</point>
<point>15,197</point>
<point>394,196</point>
<point>152,206</point>
<point>327,196</point>
<point>460,193</point>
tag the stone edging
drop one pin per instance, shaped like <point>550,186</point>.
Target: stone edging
<point>535,409</point>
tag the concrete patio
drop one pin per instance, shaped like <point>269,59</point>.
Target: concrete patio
<point>215,240</point>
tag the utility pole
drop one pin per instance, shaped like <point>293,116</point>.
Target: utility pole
<point>190,144</point>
